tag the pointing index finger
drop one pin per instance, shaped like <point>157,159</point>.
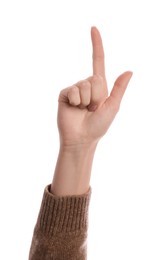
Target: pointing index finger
<point>98,53</point>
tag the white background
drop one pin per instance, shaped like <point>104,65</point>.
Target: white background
<point>45,46</point>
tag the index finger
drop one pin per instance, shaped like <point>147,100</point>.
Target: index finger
<point>98,53</point>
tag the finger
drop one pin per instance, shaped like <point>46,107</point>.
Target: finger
<point>120,86</point>
<point>98,53</point>
<point>74,96</point>
<point>85,92</point>
<point>98,92</point>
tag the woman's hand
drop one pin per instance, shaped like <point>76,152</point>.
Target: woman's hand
<point>85,109</point>
<point>85,113</point>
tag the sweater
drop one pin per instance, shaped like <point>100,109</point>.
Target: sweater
<point>61,228</point>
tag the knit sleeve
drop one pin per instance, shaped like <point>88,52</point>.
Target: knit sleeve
<point>61,229</point>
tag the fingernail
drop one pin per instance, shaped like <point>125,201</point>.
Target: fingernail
<point>92,107</point>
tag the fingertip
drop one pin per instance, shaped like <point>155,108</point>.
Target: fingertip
<point>124,77</point>
<point>94,30</point>
<point>129,73</point>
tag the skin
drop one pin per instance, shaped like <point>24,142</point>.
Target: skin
<point>85,112</point>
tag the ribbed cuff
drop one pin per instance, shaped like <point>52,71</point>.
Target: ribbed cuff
<point>60,214</point>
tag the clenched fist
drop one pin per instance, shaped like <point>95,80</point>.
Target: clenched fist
<point>86,110</point>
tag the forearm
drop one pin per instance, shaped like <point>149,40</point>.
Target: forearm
<point>73,170</point>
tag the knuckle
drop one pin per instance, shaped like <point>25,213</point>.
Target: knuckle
<point>84,84</point>
<point>62,91</point>
<point>97,80</point>
<point>85,92</point>
<point>74,89</point>
<point>73,96</point>
<point>63,95</point>
<point>87,84</point>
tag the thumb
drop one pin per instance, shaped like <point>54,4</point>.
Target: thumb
<point>119,89</point>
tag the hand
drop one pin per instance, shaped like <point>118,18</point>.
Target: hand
<point>85,109</point>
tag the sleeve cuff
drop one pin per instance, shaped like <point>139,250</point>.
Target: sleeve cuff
<point>60,214</point>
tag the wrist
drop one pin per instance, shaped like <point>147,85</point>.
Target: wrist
<point>78,148</point>
<point>73,169</point>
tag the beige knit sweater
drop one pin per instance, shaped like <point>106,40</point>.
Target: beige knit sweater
<point>61,229</point>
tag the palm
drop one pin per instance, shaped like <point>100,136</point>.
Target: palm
<point>77,122</point>
<point>81,125</point>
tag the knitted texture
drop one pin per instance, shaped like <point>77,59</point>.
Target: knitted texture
<point>61,229</point>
